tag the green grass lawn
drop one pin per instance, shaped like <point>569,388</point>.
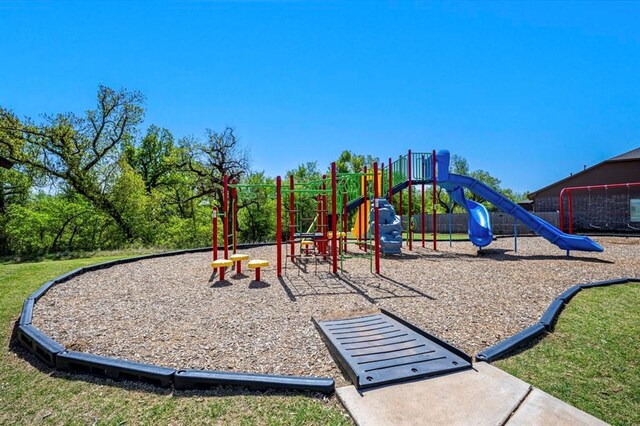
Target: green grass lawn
<point>592,360</point>
<point>33,394</point>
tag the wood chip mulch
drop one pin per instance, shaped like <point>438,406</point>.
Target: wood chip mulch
<point>171,311</point>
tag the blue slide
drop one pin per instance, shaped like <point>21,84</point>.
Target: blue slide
<point>479,220</point>
<point>454,183</point>
<point>537,225</point>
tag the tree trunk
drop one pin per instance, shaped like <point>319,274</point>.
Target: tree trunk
<point>101,202</point>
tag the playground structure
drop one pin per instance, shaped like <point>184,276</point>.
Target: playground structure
<point>568,191</point>
<point>319,212</point>
<point>312,220</point>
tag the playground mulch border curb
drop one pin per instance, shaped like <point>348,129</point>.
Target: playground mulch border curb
<point>546,322</point>
<point>57,356</point>
<point>172,311</point>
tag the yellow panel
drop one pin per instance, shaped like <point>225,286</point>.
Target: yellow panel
<point>356,228</point>
<point>258,263</point>
<point>221,263</point>
<point>239,256</point>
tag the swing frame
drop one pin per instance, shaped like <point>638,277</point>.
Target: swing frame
<point>569,190</point>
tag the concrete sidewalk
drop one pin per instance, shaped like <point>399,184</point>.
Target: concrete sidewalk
<point>485,395</point>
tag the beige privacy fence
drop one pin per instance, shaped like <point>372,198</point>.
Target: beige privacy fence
<point>501,223</point>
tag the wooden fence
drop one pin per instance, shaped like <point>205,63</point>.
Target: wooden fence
<point>501,223</point>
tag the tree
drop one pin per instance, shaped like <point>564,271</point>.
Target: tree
<point>63,222</point>
<point>349,162</point>
<point>256,210</point>
<point>5,164</point>
<point>14,190</point>
<point>221,154</point>
<point>306,204</point>
<point>460,166</point>
<point>306,172</point>
<point>155,157</point>
<point>137,208</point>
<point>79,151</point>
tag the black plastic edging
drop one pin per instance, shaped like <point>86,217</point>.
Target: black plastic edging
<point>117,369</point>
<point>549,317</point>
<point>39,344</point>
<point>545,322</point>
<point>511,343</point>
<point>27,312</point>
<point>62,278</point>
<point>55,355</point>
<point>69,275</point>
<point>202,379</point>
<point>605,283</point>
<point>42,290</point>
<point>568,294</point>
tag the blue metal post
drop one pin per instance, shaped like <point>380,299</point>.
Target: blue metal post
<point>450,225</point>
<point>515,235</point>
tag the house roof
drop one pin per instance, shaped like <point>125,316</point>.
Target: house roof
<point>634,154</point>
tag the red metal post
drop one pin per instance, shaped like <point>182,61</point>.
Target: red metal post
<point>570,213</point>
<point>214,232</point>
<point>225,222</point>
<point>318,210</point>
<point>344,220</point>
<point>292,218</point>
<point>381,171</point>
<point>361,212</point>
<point>279,226</point>
<point>316,241</point>
<point>400,194</point>
<point>434,200</point>
<point>424,175</point>
<point>234,200</point>
<point>410,207</point>
<point>334,221</point>
<point>390,197</point>
<point>325,219</point>
<point>376,217</point>
<point>561,206</point>
<point>365,195</point>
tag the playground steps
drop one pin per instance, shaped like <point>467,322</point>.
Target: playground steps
<point>484,395</point>
<point>381,348</point>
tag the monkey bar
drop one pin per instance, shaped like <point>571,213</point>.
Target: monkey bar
<point>334,197</point>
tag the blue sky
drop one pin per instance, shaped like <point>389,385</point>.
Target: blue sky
<point>527,91</point>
